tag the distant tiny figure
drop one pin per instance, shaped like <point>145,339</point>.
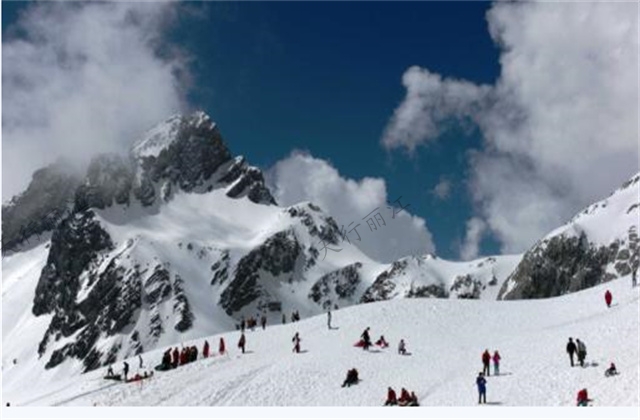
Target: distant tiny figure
<point>612,371</point>
<point>125,370</point>
<point>405,397</point>
<point>296,340</point>
<point>486,360</point>
<point>583,398</point>
<point>571,349</point>
<point>242,325</point>
<point>496,363</point>
<point>221,347</point>
<point>205,349</point>
<point>176,358</point>
<point>141,362</point>
<point>608,298</point>
<point>263,321</point>
<point>634,277</point>
<point>284,319</point>
<point>352,378</point>
<point>110,371</point>
<point>382,342</point>
<point>582,352</point>
<point>481,382</point>
<point>242,342</point>
<point>366,339</point>
<point>329,319</point>
<point>392,399</point>
<point>402,348</point>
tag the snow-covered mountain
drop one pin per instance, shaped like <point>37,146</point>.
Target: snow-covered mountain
<point>180,240</point>
<point>598,245</point>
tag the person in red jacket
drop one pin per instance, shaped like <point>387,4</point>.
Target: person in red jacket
<point>607,298</point>
<point>583,398</point>
<point>486,360</point>
<point>205,349</point>
<point>496,363</point>
<point>221,348</point>
<point>405,397</point>
<point>391,397</point>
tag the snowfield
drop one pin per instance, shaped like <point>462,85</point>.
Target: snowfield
<point>445,338</point>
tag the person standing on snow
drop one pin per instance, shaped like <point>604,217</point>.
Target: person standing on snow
<point>607,298</point>
<point>481,383</point>
<point>402,349</point>
<point>221,348</point>
<point>296,340</point>
<point>634,277</point>
<point>329,318</point>
<point>582,352</point>
<point>176,358</point>
<point>366,339</point>
<point>242,342</point>
<point>125,370</point>
<point>263,322</point>
<point>486,361</point>
<point>205,349</point>
<point>141,362</point>
<point>571,349</point>
<point>496,363</point>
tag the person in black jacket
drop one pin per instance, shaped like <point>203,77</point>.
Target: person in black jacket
<point>571,349</point>
<point>125,370</point>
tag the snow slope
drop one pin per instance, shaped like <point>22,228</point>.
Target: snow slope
<point>445,337</point>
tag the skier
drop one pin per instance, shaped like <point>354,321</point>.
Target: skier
<point>571,349</point>
<point>366,339</point>
<point>263,321</point>
<point>582,352</point>
<point>496,363</point>
<point>583,398</point>
<point>221,348</point>
<point>611,371</point>
<point>382,342</point>
<point>329,318</point>
<point>205,350</point>
<point>125,370</point>
<point>486,360</point>
<point>391,397</point>
<point>402,349</point>
<point>351,379</point>
<point>242,342</point>
<point>296,340</point>
<point>176,357</point>
<point>481,382</point>
<point>607,298</point>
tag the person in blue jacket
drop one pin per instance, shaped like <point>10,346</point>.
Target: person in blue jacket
<point>481,382</point>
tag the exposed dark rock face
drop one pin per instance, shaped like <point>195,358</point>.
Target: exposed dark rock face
<point>221,269</point>
<point>468,287</point>
<point>383,286</point>
<point>276,257</point>
<point>559,265</point>
<point>429,291</point>
<point>48,199</point>
<point>339,284</point>
<point>109,180</point>
<point>181,306</point>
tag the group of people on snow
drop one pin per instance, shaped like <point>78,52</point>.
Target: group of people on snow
<point>486,362</point>
<point>352,378</point>
<point>406,398</point>
<point>579,349</point>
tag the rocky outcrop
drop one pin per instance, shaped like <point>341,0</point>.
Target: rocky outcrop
<point>383,286</point>
<point>336,286</point>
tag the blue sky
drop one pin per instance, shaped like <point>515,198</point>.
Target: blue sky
<point>487,105</point>
<point>325,77</point>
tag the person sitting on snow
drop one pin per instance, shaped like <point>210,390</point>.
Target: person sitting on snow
<point>583,398</point>
<point>382,342</point>
<point>405,397</point>
<point>611,371</point>
<point>352,378</point>
<point>391,397</point>
<point>414,400</point>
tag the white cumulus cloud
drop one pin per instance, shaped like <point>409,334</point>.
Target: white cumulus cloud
<point>301,177</point>
<point>560,124</point>
<point>84,78</point>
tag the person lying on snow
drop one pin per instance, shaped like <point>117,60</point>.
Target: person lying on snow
<point>352,378</point>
